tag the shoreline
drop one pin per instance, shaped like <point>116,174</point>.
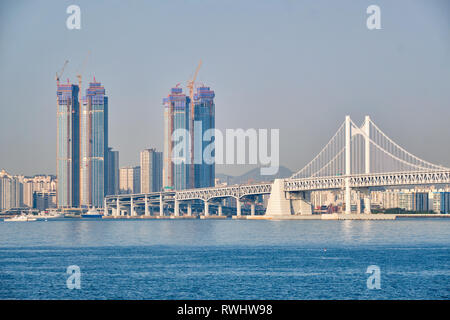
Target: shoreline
<point>325,217</point>
<point>286,217</point>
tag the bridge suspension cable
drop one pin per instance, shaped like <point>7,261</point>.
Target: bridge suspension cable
<point>325,157</point>
<point>371,151</point>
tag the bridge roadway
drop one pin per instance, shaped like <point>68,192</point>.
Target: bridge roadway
<point>214,195</point>
<point>209,196</point>
<point>369,180</point>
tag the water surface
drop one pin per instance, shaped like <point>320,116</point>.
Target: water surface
<point>225,259</point>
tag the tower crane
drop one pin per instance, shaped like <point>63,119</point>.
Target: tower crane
<point>190,85</point>
<point>60,73</point>
<point>79,75</point>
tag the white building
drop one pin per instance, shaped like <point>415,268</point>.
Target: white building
<point>151,171</point>
<point>129,180</point>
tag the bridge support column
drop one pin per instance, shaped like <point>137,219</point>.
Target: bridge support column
<point>206,208</point>
<point>367,202</point>
<point>105,207</point>
<point>219,209</point>
<point>367,205</point>
<point>189,209</point>
<point>238,207</point>
<point>176,209</point>
<point>161,205</point>
<point>147,213</point>
<point>117,213</point>
<point>358,202</point>
<point>132,212</point>
<point>252,208</point>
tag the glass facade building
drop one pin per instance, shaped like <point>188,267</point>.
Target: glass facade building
<point>176,116</point>
<point>94,146</point>
<point>68,145</point>
<point>441,202</point>
<point>112,175</point>
<point>204,117</point>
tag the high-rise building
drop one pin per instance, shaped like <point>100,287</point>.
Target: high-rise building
<point>151,171</point>
<point>204,119</point>
<point>176,142</point>
<point>94,145</point>
<point>28,193</point>
<point>113,172</point>
<point>129,180</point>
<point>39,183</point>
<point>68,145</point>
<point>43,200</point>
<point>413,201</point>
<point>440,202</point>
<point>11,191</point>
<point>405,200</point>
<point>420,201</point>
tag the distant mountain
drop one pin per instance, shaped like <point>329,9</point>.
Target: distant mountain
<point>254,175</point>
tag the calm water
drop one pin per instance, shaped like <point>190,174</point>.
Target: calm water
<point>207,259</point>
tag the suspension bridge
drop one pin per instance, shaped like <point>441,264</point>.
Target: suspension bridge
<point>356,159</point>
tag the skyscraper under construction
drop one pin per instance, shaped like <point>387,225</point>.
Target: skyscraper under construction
<point>68,145</point>
<point>176,116</point>
<point>94,146</point>
<point>204,118</point>
<point>177,173</point>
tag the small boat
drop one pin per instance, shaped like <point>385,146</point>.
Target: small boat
<point>20,218</point>
<point>49,215</point>
<point>92,213</point>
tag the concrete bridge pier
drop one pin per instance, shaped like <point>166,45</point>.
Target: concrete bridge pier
<point>358,202</point>
<point>367,202</point>
<point>189,209</point>
<point>238,207</point>
<point>206,208</point>
<point>132,211</point>
<point>117,211</point>
<point>105,208</point>
<point>219,209</point>
<point>176,208</point>
<point>283,203</point>
<point>161,205</point>
<point>146,208</point>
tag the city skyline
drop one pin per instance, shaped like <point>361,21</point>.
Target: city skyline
<point>374,73</point>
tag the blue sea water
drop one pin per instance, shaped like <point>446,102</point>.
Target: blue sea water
<point>225,259</point>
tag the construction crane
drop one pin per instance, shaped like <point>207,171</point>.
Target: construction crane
<point>190,85</point>
<point>191,82</point>
<point>79,75</point>
<point>59,74</point>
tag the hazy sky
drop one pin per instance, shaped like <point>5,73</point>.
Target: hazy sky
<point>299,66</point>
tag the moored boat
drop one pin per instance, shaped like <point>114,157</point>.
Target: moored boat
<point>19,218</point>
<point>92,213</point>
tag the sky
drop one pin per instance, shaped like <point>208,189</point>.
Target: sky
<point>296,66</point>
